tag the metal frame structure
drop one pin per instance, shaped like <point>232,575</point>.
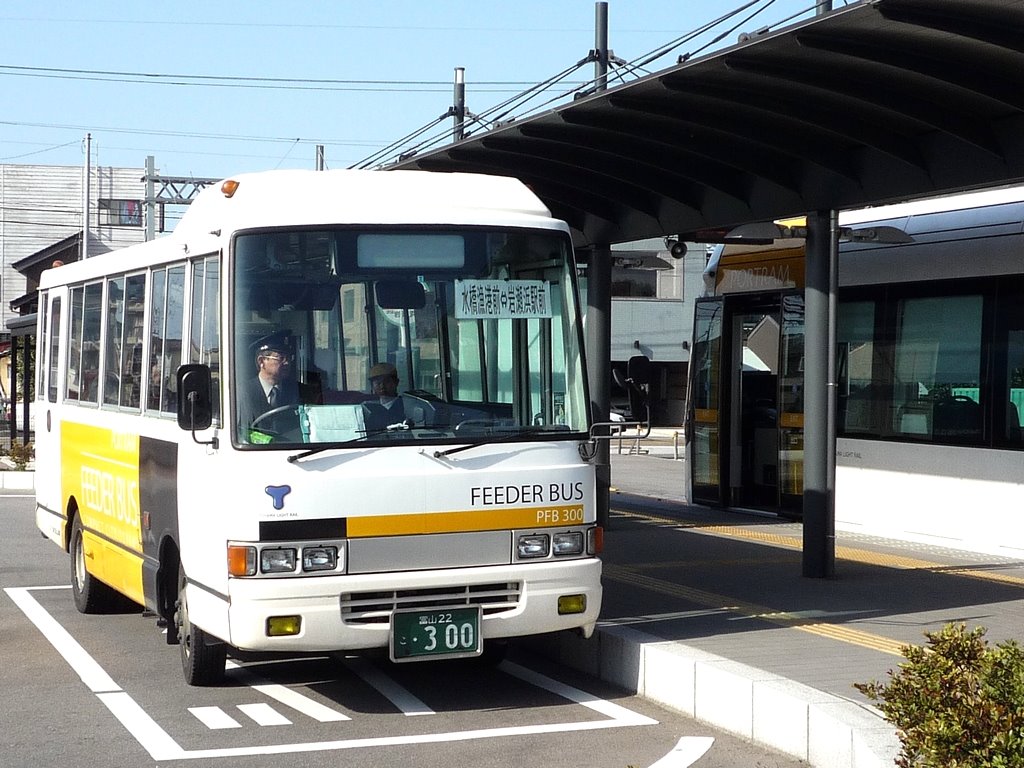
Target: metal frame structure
<point>878,101</point>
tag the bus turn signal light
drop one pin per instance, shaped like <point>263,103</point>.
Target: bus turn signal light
<point>241,560</point>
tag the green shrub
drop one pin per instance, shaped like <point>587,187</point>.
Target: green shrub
<point>21,454</point>
<point>956,702</point>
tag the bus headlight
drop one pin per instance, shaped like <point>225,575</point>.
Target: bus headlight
<point>568,543</point>
<point>278,560</point>
<point>319,558</point>
<point>531,545</point>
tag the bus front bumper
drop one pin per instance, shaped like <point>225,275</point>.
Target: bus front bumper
<point>340,613</point>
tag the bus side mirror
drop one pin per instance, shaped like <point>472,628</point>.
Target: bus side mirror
<point>195,397</point>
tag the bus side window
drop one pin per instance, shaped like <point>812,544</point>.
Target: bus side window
<point>54,351</point>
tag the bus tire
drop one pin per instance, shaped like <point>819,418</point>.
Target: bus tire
<point>202,655</point>
<point>90,594</point>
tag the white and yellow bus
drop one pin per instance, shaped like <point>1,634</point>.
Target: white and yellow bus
<point>315,524</point>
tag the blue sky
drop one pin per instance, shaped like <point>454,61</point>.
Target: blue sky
<point>149,79</point>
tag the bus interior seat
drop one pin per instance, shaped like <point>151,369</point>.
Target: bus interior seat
<point>958,416</point>
<point>344,396</point>
<point>1013,426</point>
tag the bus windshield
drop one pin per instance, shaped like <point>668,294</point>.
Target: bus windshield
<point>404,334</point>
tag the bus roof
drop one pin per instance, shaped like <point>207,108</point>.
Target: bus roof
<point>301,198</point>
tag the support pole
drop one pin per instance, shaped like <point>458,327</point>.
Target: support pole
<point>600,46</point>
<point>321,162</point>
<point>26,377</point>
<point>459,105</point>
<point>819,532</point>
<point>14,391</point>
<point>599,353</point>
<point>599,306</point>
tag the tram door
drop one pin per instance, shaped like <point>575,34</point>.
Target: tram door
<point>747,402</point>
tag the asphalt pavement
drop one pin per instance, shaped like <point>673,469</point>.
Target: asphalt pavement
<point>708,612</point>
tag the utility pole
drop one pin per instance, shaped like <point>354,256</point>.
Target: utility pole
<point>86,193</point>
<point>320,162</point>
<point>172,190</point>
<point>149,207</point>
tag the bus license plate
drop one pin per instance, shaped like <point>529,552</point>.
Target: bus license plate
<point>449,633</point>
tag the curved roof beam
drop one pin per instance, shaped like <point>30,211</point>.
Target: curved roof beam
<point>890,91</point>
<point>771,132</point>
<point>824,115</point>
<point>719,160</point>
<point>982,79</point>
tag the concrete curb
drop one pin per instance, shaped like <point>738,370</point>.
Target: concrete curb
<point>794,719</point>
<point>17,481</point>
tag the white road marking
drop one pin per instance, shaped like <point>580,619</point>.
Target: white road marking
<point>214,718</point>
<point>138,723</point>
<point>161,747</point>
<point>686,752</point>
<point>605,707</point>
<point>93,675</point>
<point>264,714</point>
<point>650,618</point>
<point>407,704</point>
<point>287,696</point>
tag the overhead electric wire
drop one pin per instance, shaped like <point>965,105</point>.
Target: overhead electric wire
<point>632,66</point>
<point>236,81</point>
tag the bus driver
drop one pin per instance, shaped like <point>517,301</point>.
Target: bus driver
<point>274,384</point>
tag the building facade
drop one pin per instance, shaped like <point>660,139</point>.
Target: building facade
<point>41,220</point>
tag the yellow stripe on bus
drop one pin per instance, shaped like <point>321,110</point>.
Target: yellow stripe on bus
<point>100,470</point>
<point>467,520</point>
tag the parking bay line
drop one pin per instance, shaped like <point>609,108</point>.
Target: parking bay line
<point>161,747</point>
<point>406,702</point>
<point>287,696</point>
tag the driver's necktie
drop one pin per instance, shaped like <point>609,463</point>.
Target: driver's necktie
<point>272,397</point>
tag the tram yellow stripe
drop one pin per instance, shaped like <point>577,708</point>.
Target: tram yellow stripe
<point>466,520</point>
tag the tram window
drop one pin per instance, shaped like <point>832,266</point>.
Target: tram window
<point>863,396</point>
<point>1008,369</point>
<point>937,371</point>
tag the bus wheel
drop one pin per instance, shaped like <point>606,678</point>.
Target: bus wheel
<point>202,656</point>
<point>91,595</point>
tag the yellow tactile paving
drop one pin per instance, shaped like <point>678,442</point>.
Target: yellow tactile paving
<point>751,610</point>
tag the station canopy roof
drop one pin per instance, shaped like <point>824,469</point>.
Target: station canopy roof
<point>875,102</point>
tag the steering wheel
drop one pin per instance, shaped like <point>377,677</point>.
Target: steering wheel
<point>274,415</point>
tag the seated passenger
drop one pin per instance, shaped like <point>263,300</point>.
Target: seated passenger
<point>385,408</point>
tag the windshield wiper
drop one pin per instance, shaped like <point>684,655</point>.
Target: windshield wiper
<point>401,426</point>
<point>505,438</point>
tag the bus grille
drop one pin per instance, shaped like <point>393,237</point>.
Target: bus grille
<point>376,607</point>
